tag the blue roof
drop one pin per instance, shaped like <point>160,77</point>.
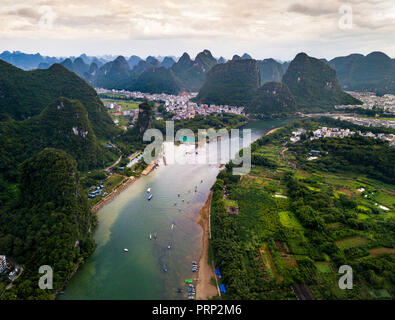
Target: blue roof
<point>222,288</point>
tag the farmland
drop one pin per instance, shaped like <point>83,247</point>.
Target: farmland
<point>299,225</point>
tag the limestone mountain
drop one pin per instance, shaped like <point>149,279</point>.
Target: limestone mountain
<point>221,60</point>
<point>246,56</point>
<point>64,125</point>
<point>157,80</point>
<point>270,70</point>
<point>50,223</point>
<point>153,61</point>
<point>192,74</point>
<point>232,83</point>
<point>272,99</point>
<point>114,74</point>
<point>91,74</point>
<point>138,69</point>
<point>144,121</point>
<point>133,61</point>
<point>24,94</point>
<point>314,84</point>
<point>167,62</point>
<point>77,66</point>
<point>374,72</point>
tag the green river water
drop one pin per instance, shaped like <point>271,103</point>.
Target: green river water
<point>127,222</point>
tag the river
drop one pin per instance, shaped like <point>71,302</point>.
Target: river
<point>127,222</point>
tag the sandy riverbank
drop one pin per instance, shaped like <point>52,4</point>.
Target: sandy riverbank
<point>204,288</point>
<point>125,183</point>
<point>271,131</point>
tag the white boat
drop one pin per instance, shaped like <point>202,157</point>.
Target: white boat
<point>148,190</point>
<point>150,236</point>
<point>126,250</point>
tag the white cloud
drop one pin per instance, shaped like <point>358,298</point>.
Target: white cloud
<point>261,27</point>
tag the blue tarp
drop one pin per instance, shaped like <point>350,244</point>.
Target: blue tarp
<point>222,288</point>
<point>218,273</point>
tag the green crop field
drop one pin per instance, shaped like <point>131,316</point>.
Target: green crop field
<point>351,242</point>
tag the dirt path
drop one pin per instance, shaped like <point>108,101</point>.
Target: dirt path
<point>204,288</point>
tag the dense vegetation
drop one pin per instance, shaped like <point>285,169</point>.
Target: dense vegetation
<point>24,94</point>
<point>374,72</point>
<point>192,74</point>
<point>157,80</point>
<point>298,226</point>
<point>314,85</point>
<point>49,223</point>
<point>64,124</point>
<point>232,83</point>
<point>270,70</point>
<point>273,99</point>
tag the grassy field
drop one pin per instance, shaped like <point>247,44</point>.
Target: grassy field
<point>288,220</point>
<point>351,242</point>
<point>231,203</point>
<point>126,104</point>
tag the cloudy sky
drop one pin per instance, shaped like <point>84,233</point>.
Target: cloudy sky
<point>262,28</point>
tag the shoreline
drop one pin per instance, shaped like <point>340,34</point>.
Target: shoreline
<point>204,289</point>
<point>272,130</point>
<point>113,194</point>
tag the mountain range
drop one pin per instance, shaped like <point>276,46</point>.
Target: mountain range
<point>373,72</point>
<point>308,84</point>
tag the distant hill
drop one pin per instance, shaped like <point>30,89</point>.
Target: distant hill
<point>91,74</point>
<point>221,60</point>
<point>27,61</point>
<point>77,66</point>
<point>232,83</point>
<point>167,62</point>
<point>272,99</point>
<point>138,69</point>
<point>153,61</point>
<point>270,70</point>
<point>314,84</point>
<point>114,74</point>
<point>24,94</point>
<point>133,61</point>
<point>246,56</point>
<point>193,73</point>
<point>374,72</point>
<point>157,80</point>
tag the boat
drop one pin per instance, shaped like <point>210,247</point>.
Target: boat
<point>150,236</point>
<point>172,226</point>
<point>169,246</point>
<point>149,190</point>
<point>150,197</point>
<point>155,236</point>
<point>164,268</point>
<point>126,250</point>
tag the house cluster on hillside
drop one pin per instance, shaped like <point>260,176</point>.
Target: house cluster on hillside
<point>370,100</point>
<point>180,105</point>
<point>324,132</point>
